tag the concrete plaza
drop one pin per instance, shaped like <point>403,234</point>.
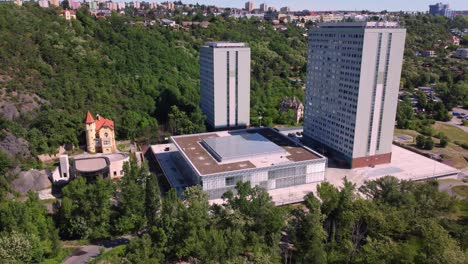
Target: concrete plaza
<point>405,165</point>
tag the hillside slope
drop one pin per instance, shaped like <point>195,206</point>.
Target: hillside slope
<point>130,73</point>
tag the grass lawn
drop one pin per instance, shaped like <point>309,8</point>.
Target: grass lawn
<point>449,180</point>
<point>453,133</point>
<point>461,190</point>
<point>408,132</point>
<point>452,154</point>
<point>65,252</point>
<point>462,209</point>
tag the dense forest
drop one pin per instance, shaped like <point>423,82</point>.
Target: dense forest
<point>138,76</point>
<point>384,221</point>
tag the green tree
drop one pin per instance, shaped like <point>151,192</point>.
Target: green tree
<point>152,200</point>
<point>404,114</point>
<point>438,246</point>
<point>307,233</point>
<point>130,208</point>
<point>141,250</point>
<point>15,247</point>
<point>85,210</point>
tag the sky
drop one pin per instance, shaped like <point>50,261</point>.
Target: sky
<point>321,5</point>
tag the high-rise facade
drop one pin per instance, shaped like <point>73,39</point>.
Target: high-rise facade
<point>441,10</point>
<point>353,77</point>
<point>249,6</point>
<point>225,84</point>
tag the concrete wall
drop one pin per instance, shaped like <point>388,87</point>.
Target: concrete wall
<point>378,91</point>
<point>215,185</point>
<point>116,168</point>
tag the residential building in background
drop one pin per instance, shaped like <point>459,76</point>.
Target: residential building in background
<point>454,40</point>
<point>170,6</point>
<point>285,9</point>
<point>428,53</point>
<point>225,84</point>
<point>264,7</point>
<point>294,104</point>
<point>441,10</point>
<point>68,14</point>
<point>462,53</point>
<point>438,9</point>
<point>249,6</point>
<point>100,136</point>
<point>54,3</point>
<point>75,4</point>
<point>353,78</point>
<point>43,3</point>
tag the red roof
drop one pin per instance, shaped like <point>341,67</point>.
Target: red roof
<point>89,118</point>
<point>100,121</point>
<point>104,122</point>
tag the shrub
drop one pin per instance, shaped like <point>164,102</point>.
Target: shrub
<point>420,140</point>
<point>428,144</point>
<point>443,142</point>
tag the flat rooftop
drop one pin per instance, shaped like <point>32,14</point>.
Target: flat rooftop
<point>96,162</point>
<point>240,146</point>
<point>90,164</point>
<point>223,44</point>
<point>375,24</point>
<point>277,149</point>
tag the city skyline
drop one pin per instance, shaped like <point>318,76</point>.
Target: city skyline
<point>357,5</point>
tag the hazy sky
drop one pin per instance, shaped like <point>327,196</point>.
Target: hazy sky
<point>318,5</point>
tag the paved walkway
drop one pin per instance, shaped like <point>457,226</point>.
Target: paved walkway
<point>446,186</point>
<point>457,122</point>
<point>83,255</point>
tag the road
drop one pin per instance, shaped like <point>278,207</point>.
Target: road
<point>456,122</point>
<point>446,186</point>
<point>83,254</point>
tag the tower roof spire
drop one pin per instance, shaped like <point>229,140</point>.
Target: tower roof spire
<point>89,118</point>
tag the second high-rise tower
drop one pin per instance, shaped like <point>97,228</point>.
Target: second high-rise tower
<point>353,77</point>
<point>225,84</point>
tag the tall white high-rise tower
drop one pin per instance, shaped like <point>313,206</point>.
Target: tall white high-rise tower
<point>225,84</point>
<point>353,77</point>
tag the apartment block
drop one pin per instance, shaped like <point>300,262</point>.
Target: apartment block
<point>353,77</point>
<point>225,84</point>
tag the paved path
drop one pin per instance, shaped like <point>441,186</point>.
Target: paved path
<point>447,187</point>
<point>83,254</point>
<point>457,121</point>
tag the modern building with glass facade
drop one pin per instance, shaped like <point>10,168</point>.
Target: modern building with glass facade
<point>225,84</point>
<point>353,77</point>
<point>218,160</point>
